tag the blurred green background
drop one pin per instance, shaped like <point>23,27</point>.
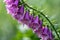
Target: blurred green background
<point>10,29</point>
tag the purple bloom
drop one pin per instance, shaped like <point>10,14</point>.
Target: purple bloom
<point>21,10</point>
<point>12,6</point>
<point>44,33</point>
<point>38,32</point>
<point>17,11</point>
<point>19,15</point>
<point>11,9</point>
<point>47,34</point>
<point>26,19</point>
<point>35,23</point>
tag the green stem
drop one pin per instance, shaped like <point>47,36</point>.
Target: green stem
<point>44,16</point>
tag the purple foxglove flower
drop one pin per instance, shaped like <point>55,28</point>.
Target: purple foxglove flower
<point>12,10</point>
<point>35,23</point>
<point>21,10</point>
<point>26,19</point>
<point>47,34</point>
<point>15,3</point>
<point>12,6</point>
<point>38,32</point>
<point>44,33</point>
<point>19,15</point>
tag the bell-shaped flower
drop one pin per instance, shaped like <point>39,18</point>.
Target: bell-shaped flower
<point>34,23</point>
<point>46,34</point>
<point>11,10</point>
<point>21,10</point>
<point>19,15</point>
<point>26,18</point>
<point>15,3</point>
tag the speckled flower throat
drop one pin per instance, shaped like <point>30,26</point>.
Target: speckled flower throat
<point>17,9</point>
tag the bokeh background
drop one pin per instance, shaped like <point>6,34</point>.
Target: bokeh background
<point>10,29</point>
